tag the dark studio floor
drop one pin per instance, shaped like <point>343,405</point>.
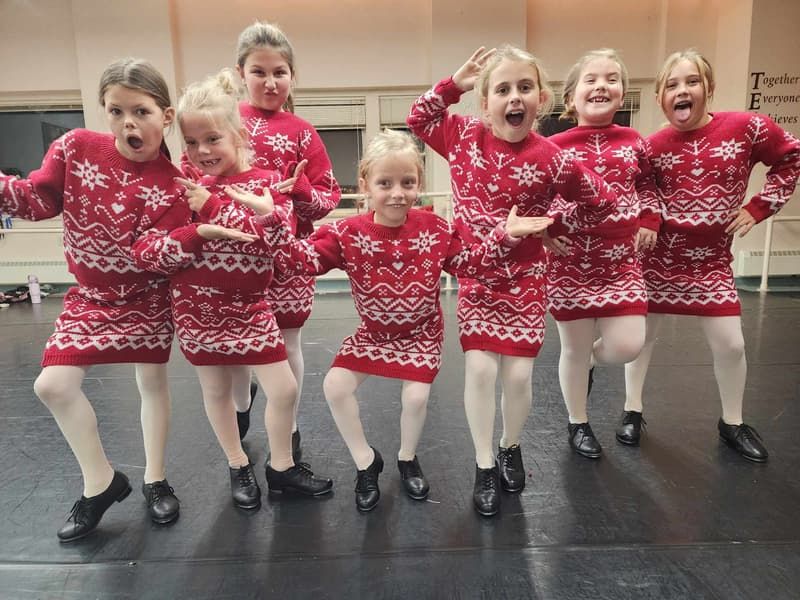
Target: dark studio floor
<point>680,517</point>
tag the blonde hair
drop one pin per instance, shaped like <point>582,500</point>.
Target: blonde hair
<point>266,35</point>
<point>694,57</point>
<point>390,142</point>
<point>217,98</point>
<point>575,72</point>
<point>139,75</point>
<point>508,52</point>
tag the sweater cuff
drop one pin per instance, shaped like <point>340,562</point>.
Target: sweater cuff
<point>450,92</point>
<point>270,221</point>
<point>302,188</point>
<point>505,238</point>
<point>758,209</point>
<point>189,239</point>
<point>650,220</point>
<point>210,208</point>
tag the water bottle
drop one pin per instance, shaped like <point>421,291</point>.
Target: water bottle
<point>33,289</point>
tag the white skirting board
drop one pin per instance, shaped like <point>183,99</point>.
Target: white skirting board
<point>781,262</point>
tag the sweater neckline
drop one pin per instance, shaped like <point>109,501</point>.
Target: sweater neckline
<point>384,231</point>
<point>115,158</point>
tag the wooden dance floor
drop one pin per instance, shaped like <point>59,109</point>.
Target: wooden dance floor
<point>680,517</point>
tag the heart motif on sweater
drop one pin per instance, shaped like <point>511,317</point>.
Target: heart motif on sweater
<point>117,207</point>
<point>698,171</point>
<point>493,187</point>
<point>398,265</point>
<point>585,266</point>
<point>600,168</point>
<point>515,290</point>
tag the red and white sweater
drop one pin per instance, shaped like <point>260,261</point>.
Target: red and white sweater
<point>601,276</point>
<point>702,178</point>
<point>221,315</point>
<point>120,311</point>
<point>488,176</point>
<point>279,141</point>
<point>395,275</point>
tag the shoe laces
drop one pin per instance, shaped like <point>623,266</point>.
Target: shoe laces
<point>79,512</point>
<point>412,468</point>
<point>304,470</point>
<point>630,417</point>
<point>745,433</point>
<point>158,490</point>
<point>488,480</point>
<point>510,458</point>
<point>366,480</point>
<point>246,476</point>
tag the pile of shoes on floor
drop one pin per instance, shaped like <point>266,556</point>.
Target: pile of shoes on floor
<point>21,294</point>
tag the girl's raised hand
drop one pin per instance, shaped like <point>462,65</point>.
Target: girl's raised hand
<point>645,239</point>
<point>261,205</point>
<point>743,223</point>
<point>217,232</point>
<point>196,195</point>
<point>467,74</point>
<point>517,226</point>
<point>287,185</point>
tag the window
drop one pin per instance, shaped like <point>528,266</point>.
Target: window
<point>25,136</point>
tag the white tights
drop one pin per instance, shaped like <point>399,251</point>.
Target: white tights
<point>217,383</point>
<point>340,387</point>
<point>724,336</point>
<point>60,389</point>
<point>621,339</point>
<point>241,384</point>
<point>516,375</point>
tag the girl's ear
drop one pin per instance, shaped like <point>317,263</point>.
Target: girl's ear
<point>169,116</point>
<point>362,185</point>
<point>240,71</point>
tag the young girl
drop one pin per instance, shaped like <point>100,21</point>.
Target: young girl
<point>393,256</point>
<point>285,143</point>
<point>109,188</point>
<point>702,164</point>
<point>495,162</point>
<point>597,283</point>
<point>223,323</point>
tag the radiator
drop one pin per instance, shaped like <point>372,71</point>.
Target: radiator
<point>15,272</point>
<point>781,262</point>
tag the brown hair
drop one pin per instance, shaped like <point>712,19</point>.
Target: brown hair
<point>508,52</point>
<point>266,35</point>
<point>574,75</point>
<point>698,60</point>
<point>140,75</point>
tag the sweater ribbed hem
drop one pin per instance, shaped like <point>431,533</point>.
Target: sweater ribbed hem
<point>604,312</point>
<point>381,369</point>
<point>503,348</point>
<point>696,310</point>
<point>52,358</point>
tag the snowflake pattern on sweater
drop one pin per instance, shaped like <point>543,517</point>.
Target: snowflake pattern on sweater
<point>602,275</point>
<point>119,312</point>
<point>395,275</point>
<point>702,178</point>
<point>279,141</point>
<point>221,315</point>
<point>505,313</point>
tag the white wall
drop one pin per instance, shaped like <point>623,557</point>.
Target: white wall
<point>57,47</point>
